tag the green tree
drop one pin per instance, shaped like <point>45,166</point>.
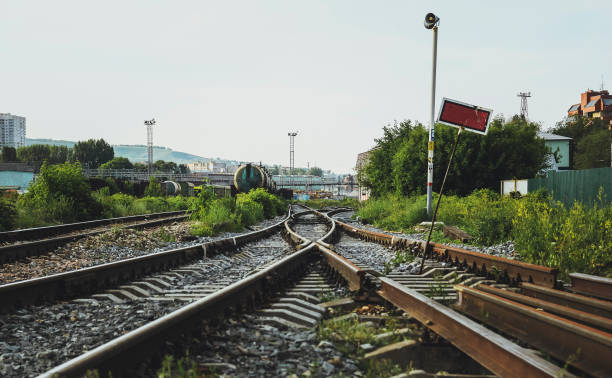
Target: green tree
<point>593,150</point>
<point>153,189</point>
<point>399,162</point>
<point>59,154</point>
<point>117,163</point>
<point>61,194</point>
<point>9,213</point>
<point>315,171</point>
<point>93,152</point>
<point>9,154</point>
<point>34,153</point>
<point>140,167</point>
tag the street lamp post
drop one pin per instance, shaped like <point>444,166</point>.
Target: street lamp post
<point>431,22</point>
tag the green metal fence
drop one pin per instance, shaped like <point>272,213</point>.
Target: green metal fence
<point>569,186</point>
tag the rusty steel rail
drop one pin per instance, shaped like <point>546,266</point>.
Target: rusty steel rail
<point>516,271</point>
<point>575,301</point>
<point>349,271</point>
<point>147,340</point>
<point>584,347</point>
<point>600,287</point>
<point>583,317</point>
<point>47,231</point>
<point>496,353</point>
<point>86,280</point>
<point>20,250</point>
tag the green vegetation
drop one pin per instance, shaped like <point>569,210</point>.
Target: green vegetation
<point>9,213</point>
<point>576,239</point>
<point>61,194</point>
<point>117,163</point>
<point>591,141</point>
<point>227,214</point>
<point>9,154</point>
<point>93,152</point>
<point>398,163</point>
<point>184,367</point>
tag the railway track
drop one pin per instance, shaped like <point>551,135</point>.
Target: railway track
<point>502,313</point>
<point>19,244</point>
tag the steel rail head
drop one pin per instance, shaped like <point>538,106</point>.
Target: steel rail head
<point>498,354</point>
<point>582,346</point>
<point>517,271</point>
<point>577,301</point>
<point>68,284</point>
<point>596,286</point>
<point>152,334</point>
<point>349,271</point>
<point>27,233</point>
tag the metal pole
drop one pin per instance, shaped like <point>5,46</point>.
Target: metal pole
<point>430,144</point>
<point>433,218</point>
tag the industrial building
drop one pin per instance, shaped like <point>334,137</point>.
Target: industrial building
<point>593,104</point>
<point>12,130</point>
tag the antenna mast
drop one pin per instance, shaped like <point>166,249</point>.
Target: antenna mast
<point>524,110</point>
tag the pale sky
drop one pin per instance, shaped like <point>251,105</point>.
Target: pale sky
<point>230,78</point>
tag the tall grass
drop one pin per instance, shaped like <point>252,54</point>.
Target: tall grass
<point>545,232</point>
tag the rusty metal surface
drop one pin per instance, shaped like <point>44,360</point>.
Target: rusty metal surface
<point>41,232</point>
<point>516,271</point>
<point>34,248</point>
<point>600,322</point>
<point>77,282</point>
<point>576,301</point>
<point>496,353</point>
<point>600,287</point>
<point>586,348</point>
<point>351,273</point>
<point>145,340</point>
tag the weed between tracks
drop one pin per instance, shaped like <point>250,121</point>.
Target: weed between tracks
<point>354,338</point>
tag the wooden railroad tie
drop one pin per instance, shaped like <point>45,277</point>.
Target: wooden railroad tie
<point>455,233</point>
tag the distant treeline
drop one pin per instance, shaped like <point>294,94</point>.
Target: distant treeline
<point>92,153</point>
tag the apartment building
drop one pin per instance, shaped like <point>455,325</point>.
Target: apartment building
<point>12,130</point>
<point>593,104</point>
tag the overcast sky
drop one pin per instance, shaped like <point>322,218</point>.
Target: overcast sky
<point>230,78</point>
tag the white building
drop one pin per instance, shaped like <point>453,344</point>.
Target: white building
<point>12,130</point>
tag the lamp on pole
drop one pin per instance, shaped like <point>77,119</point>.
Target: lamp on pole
<point>431,22</point>
<point>149,125</point>
<point>292,136</point>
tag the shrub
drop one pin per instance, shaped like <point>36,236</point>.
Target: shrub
<point>153,189</point>
<point>61,194</point>
<point>9,214</point>
<point>250,212</point>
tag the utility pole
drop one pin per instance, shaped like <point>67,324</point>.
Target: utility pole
<point>524,110</point>
<point>149,125</point>
<point>431,22</point>
<point>292,135</point>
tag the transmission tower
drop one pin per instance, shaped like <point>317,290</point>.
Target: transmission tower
<point>149,125</point>
<point>524,111</point>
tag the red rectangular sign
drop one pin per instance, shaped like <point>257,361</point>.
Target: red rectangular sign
<point>459,114</point>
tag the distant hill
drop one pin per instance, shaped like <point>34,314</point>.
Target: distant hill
<point>138,153</point>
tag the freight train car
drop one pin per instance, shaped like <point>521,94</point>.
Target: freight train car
<point>251,176</point>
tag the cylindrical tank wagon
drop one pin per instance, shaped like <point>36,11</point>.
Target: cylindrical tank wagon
<point>251,176</point>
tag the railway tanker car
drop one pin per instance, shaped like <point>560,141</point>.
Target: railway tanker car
<point>251,176</point>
